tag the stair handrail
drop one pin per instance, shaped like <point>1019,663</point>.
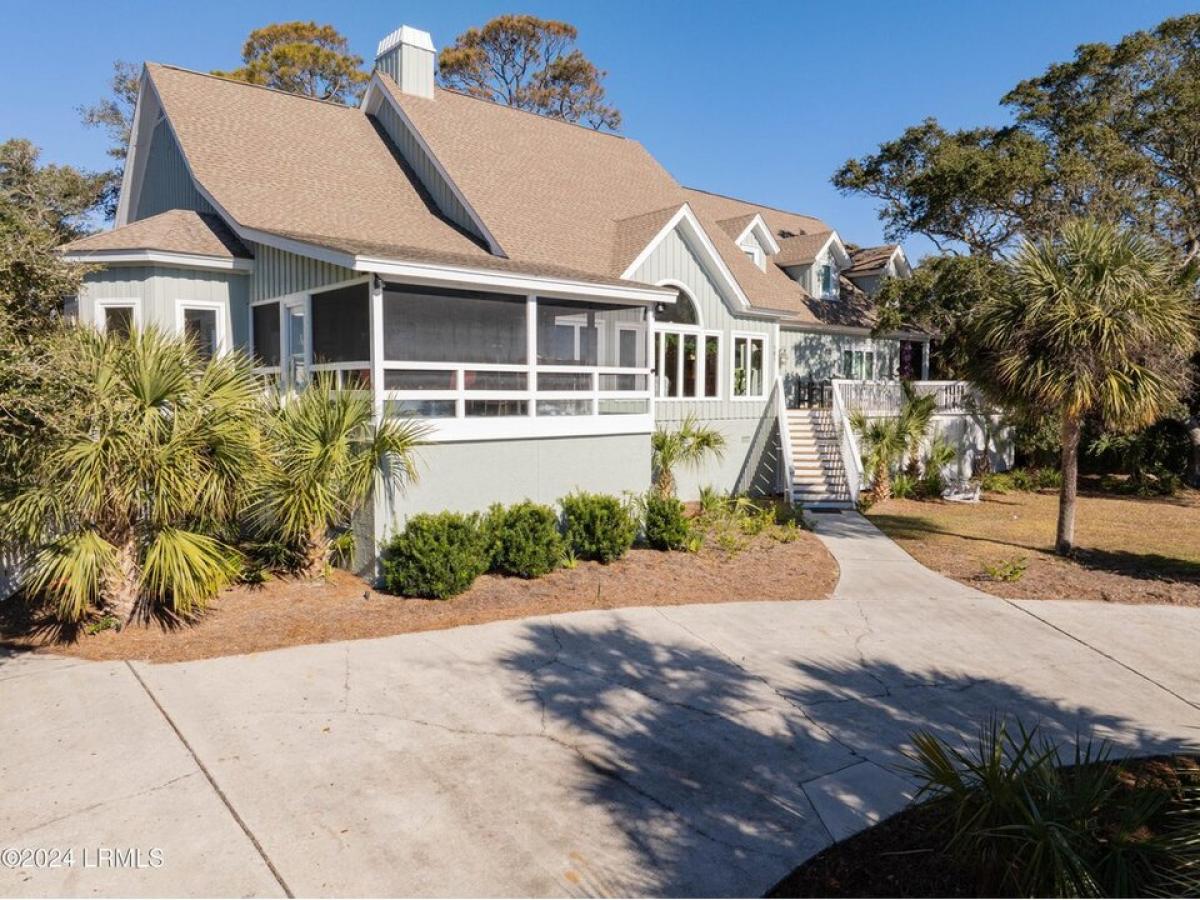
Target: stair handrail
<point>847,443</point>
<point>785,439</point>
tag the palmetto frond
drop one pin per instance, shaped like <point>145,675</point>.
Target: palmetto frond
<point>69,571</point>
<point>689,444</point>
<point>1097,322</point>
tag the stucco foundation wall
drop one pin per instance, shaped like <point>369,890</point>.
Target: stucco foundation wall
<point>472,475</point>
<point>967,434</point>
<point>750,464</point>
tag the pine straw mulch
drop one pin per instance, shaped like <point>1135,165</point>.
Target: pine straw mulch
<point>1129,549</point>
<point>286,612</point>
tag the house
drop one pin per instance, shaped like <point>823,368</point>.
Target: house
<point>542,294</point>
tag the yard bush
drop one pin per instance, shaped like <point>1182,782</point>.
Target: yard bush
<point>598,526</point>
<point>436,556</point>
<point>666,525</point>
<point>1034,821</point>
<point>524,539</point>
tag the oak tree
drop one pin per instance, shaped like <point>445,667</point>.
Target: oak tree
<point>531,64</point>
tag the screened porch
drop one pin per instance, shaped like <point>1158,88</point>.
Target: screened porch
<point>471,363</point>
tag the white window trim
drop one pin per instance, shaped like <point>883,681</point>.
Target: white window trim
<point>217,306</point>
<point>767,374</point>
<point>701,362</point>
<point>100,305</point>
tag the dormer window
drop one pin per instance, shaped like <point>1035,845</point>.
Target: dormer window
<point>755,255</point>
<point>825,278</point>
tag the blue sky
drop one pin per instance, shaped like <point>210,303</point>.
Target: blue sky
<point>762,101</point>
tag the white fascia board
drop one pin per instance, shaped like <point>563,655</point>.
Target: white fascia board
<point>852,331</point>
<point>161,258</point>
<point>527,427</point>
<point>455,276</point>
<point>686,219</point>
<point>379,94</point>
<point>839,250</point>
<point>759,226</point>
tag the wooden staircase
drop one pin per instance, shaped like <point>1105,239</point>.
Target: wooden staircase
<point>819,479</point>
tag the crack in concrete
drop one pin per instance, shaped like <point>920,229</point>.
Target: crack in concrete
<point>212,781</point>
<point>145,792</point>
<point>1108,656</point>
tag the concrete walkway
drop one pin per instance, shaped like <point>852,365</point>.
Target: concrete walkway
<point>681,751</point>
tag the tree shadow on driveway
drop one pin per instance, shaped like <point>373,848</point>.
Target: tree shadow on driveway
<point>702,764</point>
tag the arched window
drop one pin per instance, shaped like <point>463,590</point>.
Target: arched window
<point>681,312</point>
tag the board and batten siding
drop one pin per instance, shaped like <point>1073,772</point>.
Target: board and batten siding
<point>166,182</point>
<point>278,273</point>
<point>746,454</point>
<point>431,179</point>
<point>159,290</point>
<point>817,355</point>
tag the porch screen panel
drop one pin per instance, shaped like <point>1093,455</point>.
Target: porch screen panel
<point>587,334</point>
<point>341,325</point>
<point>428,325</point>
<point>266,334</point>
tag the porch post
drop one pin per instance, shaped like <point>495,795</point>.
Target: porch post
<point>924,360</point>
<point>650,345</point>
<point>377,346</point>
<point>531,353</point>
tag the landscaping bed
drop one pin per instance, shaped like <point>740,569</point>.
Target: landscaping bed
<point>1131,549</point>
<point>906,855</point>
<point>285,612</point>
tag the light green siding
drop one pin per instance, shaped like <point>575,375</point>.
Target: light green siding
<point>420,161</point>
<point>472,475</point>
<point>158,291</point>
<point>166,182</point>
<point>674,260</point>
<point>278,273</point>
<point>818,356</point>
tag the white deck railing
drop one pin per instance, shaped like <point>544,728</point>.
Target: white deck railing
<point>884,398</point>
<point>847,443</point>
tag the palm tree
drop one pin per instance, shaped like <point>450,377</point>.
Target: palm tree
<point>1098,322</point>
<point>118,505</point>
<point>690,444</point>
<point>916,415</point>
<point>883,440</point>
<point>324,452</point>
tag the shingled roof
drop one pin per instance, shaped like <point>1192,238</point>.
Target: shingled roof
<point>556,199</point>
<point>174,231</point>
<point>870,259</point>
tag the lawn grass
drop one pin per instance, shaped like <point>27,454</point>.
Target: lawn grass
<point>1129,549</point>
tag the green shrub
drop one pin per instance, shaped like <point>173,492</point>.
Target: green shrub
<point>436,556</point>
<point>904,486</point>
<point>1007,569</point>
<point>666,525</point>
<point>1034,821</point>
<point>997,482</point>
<point>598,526</point>
<point>524,540</point>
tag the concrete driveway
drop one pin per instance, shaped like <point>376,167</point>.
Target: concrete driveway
<point>680,751</point>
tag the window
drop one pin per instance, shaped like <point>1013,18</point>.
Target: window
<point>118,317</point>
<point>681,312</point>
<point>202,322</point>
<point>265,323</point>
<point>341,325</point>
<point>748,366</point>
<point>866,365</point>
<point>429,325</point>
<point>712,362</point>
<point>118,320</point>
<point>200,327</point>
<point>826,276</point>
